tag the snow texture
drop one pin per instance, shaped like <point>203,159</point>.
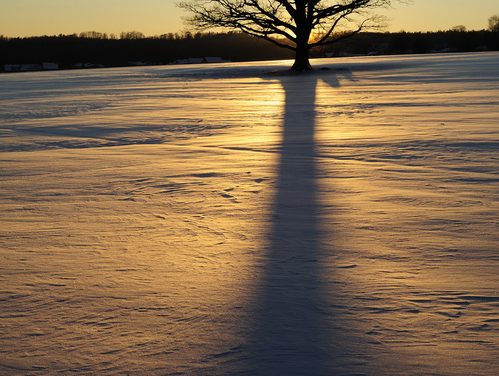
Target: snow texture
<point>231,220</point>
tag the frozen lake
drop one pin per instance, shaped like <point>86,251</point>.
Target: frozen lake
<point>226,220</point>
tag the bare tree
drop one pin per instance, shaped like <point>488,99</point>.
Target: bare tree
<point>459,29</point>
<point>295,24</point>
<point>132,35</point>
<point>494,23</point>
<point>92,35</point>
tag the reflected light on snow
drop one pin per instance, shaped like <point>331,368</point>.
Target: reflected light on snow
<point>222,220</point>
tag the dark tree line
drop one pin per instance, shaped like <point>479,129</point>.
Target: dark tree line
<point>416,43</point>
<point>69,50</point>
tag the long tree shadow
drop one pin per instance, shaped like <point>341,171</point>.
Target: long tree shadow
<point>291,333</point>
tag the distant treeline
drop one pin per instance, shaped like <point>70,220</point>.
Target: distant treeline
<point>131,48</point>
<point>409,43</point>
<point>71,50</point>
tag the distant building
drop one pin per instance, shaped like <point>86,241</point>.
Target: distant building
<point>138,63</point>
<point>87,65</point>
<point>30,67</point>
<point>22,67</point>
<point>91,65</point>
<point>191,60</point>
<point>12,68</point>
<point>214,60</point>
<point>201,60</point>
<point>50,66</point>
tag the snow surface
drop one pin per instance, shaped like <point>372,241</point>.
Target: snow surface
<point>226,220</point>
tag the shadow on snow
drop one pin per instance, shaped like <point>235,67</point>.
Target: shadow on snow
<point>291,333</point>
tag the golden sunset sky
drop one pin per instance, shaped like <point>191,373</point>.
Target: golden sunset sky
<point>154,17</point>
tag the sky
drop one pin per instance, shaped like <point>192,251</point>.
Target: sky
<point>155,17</point>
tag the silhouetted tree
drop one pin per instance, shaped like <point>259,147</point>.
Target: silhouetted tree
<point>459,29</point>
<point>295,24</point>
<point>93,35</point>
<point>132,35</point>
<point>494,23</point>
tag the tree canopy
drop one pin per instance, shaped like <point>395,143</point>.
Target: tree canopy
<point>494,23</point>
<point>295,24</point>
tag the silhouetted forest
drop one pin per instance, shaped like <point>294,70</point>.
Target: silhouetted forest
<point>408,43</point>
<point>92,49</point>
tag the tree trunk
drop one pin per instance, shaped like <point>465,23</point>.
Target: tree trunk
<point>302,62</point>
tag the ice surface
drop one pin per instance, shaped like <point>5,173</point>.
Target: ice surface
<point>228,220</point>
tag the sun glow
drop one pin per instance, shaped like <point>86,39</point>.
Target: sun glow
<point>156,17</point>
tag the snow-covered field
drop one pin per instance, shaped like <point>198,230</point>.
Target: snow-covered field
<point>223,220</point>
